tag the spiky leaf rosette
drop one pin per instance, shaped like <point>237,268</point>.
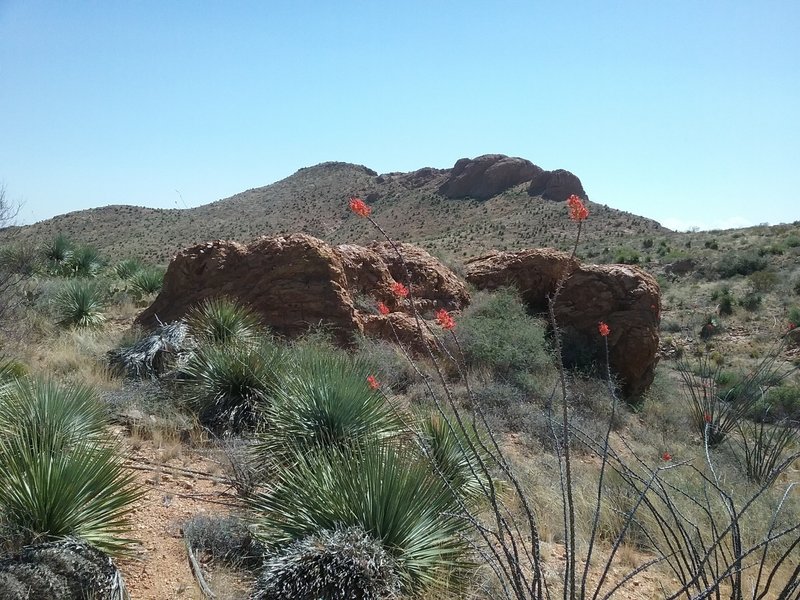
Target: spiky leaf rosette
<point>81,304</point>
<point>221,320</point>
<point>232,380</point>
<point>387,491</point>
<point>325,402</point>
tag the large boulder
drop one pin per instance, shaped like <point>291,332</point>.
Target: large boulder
<point>534,272</point>
<point>486,176</point>
<point>298,281</point>
<point>625,297</point>
<point>556,185</point>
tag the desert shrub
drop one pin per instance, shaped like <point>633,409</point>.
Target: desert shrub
<point>779,403</point>
<point>147,281</point>
<point>22,259</point>
<point>725,306</point>
<point>732,264</point>
<point>627,256</point>
<point>794,316</point>
<point>85,261</point>
<point>220,320</point>
<point>337,564</point>
<point>773,250</point>
<point>80,303</point>
<point>225,539</point>
<point>390,492</point>
<point>763,281</point>
<point>59,476</point>
<point>711,244</point>
<point>229,381</point>
<point>497,334</point>
<point>127,268</point>
<point>57,254</point>
<point>751,301</point>
<point>387,363</point>
<point>325,402</point>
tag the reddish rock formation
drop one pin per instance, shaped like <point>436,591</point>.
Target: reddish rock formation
<point>534,272</point>
<point>628,300</point>
<point>556,185</point>
<point>487,176</point>
<point>298,281</point>
<point>625,297</point>
<point>434,285</point>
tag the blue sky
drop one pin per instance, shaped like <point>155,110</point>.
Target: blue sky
<point>683,111</point>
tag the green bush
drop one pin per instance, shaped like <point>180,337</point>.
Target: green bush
<point>57,254</point>
<point>779,403</point>
<point>740,264</point>
<point>497,334</point>
<point>751,301</point>
<point>627,256</point>
<point>794,316</point>
<point>763,281</point>
<point>81,303</point>
<point>84,261</point>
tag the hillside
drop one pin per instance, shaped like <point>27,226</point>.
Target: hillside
<point>314,201</point>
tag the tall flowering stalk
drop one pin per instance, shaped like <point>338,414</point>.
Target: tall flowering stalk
<point>578,213</point>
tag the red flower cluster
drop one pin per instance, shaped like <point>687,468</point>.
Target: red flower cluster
<point>707,418</point>
<point>666,457</point>
<point>577,210</point>
<point>603,329</point>
<point>358,206</point>
<point>383,309</point>
<point>444,319</point>
<point>398,289</point>
<point>373,383</point>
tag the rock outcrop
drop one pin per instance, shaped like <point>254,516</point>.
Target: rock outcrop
<point>486,176</point>
<point>556,185</point>
<point>625,297</point>
<point>535,272</point>
<point>298,281</point>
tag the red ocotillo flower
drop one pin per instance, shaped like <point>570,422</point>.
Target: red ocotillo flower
<point>358,206</point>
<point>577,210</point>
<point>372,382</point>
<point>444,319</point>
<point>383,309</point>
<point>603,329</point>
<point>398,289</point>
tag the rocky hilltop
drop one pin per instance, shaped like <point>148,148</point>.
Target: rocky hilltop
<point>489,202</point>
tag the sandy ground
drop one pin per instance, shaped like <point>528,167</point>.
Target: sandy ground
<point>160,568</point>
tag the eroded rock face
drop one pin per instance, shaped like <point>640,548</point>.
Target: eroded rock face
<point>625,297</point>
<point>298,281</point>
<point>486,176</point>
<point>556,185</point>
<point>628,300</point>
<point>535,272</point>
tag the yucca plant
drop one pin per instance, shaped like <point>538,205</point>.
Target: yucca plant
<point>325,401</point>
<point>458,454</point>
<point>231,380</point>
<point>81,491</point>
<point>127,268</point>
<point>80,304</point>
<point>58,254</point>
<point>60,475</point>
<point>219,320</point>
<point>148,280</point>
<point>85,261</point>
<point>389,492</point>
<point>60,413</point>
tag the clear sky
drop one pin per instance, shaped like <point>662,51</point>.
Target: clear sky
<point>685,111</point>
